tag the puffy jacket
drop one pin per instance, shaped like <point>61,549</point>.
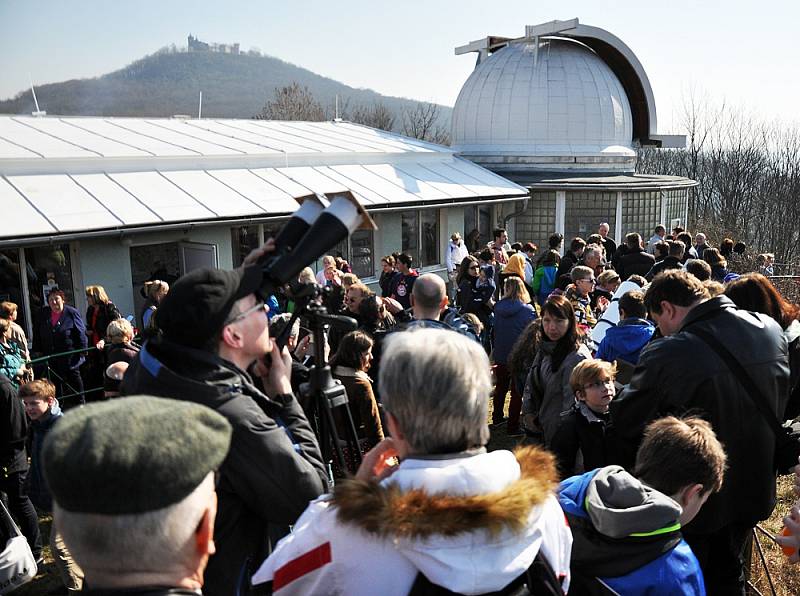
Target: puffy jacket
<point>375,538</point>
<point>680,374</point>
<point>665,265</point>
<point>625,340</point>
<point>273,469</point>
<point>510,318</point>
<point>627,535</point>
<point>581,432</point>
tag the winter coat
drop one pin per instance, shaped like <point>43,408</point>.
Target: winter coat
<point>792,334</point>
<point>68,334</point>
<point>363,406</point>
<point>11,360</point>
<point>626,535</point>
<point>385,282</point>
<point>455,254</point>
<point>510,318</point>
<point>718,273</point>
<point>610,246</point>
<point>547,392</point>
<point>97,319</point>
<point>680,373</point>
<point>544,282</point>
<point>13,429</point>
<point>665,265</point>
<point>634,262</point>
<point>274,467</point>
<point>625,340</point>
<point>471,299</point>
<point>568,261</point>
<point>579,443</point>
<point>38,490</point>
<point>369,538</point>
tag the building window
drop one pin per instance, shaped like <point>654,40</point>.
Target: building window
<point>585,211</point>
<point>11,283</point>
<point>641,212</point>
<point>477,226</point>
<point>49,267</point>
<point>675,207</point>
<point>362,253</point>
<point>538,221</point>
<point>243,240</point>
<point>420,233</point>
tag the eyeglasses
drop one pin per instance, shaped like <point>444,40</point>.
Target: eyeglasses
<point>591,281</point>
<point>599,384</point>
<point>263,306</point>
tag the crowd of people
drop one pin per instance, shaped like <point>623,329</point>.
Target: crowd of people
<point>617,370</point>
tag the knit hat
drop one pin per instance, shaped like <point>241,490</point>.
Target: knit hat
<point>132,455</point>
<point>197,305</point>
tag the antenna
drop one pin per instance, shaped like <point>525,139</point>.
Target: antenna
<point>200,107</point>
<point>38,112</point>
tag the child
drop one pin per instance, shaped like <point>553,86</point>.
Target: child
<point>626,528</point>
<point>626,340</point>
<point>41,406</point>
<point>580,441</point>
<point>544,278</point>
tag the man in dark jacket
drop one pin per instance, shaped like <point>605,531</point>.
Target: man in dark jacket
<point>572,257</point>
<point>14,464</point>
<point>673,260</point>
<point>635,261</point>
<point>214,328</point>
<point>681,373</point>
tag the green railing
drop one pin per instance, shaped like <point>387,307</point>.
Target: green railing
<point>68,392</point>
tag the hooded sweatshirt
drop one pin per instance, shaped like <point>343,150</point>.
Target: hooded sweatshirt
<point>470,522</point>
<point>626,537</point>
<point>626,340</point>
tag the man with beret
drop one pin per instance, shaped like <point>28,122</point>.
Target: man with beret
<point>133,492</point>
<point>213,328</point>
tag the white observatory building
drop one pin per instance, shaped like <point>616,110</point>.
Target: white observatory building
<point>562,111</point>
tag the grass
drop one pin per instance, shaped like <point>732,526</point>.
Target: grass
<point>47,579</point>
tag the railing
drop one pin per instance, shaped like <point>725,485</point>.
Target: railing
<point>68,392</point>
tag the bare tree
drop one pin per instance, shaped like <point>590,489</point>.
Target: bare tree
<point>421,122</point>
<point>293,102</point>
<point>376,115</point>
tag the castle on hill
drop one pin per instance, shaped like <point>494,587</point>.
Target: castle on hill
<point>195,45</point>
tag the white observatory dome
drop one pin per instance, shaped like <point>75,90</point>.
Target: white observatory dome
<point>556,107</point>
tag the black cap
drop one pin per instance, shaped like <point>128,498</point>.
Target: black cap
<point>197,305</point>
<point>133,454</point>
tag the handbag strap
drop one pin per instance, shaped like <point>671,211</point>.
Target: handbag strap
<point>752,390</point>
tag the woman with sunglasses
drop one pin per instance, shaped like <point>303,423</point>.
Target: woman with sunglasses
<point>547,389</point>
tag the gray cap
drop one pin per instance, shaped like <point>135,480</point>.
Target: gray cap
<point>133,454</point>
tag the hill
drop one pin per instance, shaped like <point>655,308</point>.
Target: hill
<point>169,83</point>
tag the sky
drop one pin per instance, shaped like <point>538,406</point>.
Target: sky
<point>743,53</point>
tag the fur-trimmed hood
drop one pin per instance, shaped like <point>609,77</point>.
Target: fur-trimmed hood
<point>471,524</point>
<point>388,510</point>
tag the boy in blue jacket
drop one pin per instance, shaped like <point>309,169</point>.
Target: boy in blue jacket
<point>626,340</point>
<point>626,527</point>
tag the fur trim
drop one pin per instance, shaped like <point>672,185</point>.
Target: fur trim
<point>386,511</point>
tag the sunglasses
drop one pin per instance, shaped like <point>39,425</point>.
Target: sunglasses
<point>261,306</point>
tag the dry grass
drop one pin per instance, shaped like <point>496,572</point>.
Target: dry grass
<point>48,578</point>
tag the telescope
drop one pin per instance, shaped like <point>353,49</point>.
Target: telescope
<point>319,224</point>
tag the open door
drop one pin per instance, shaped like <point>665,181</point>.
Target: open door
<point>195,255</point>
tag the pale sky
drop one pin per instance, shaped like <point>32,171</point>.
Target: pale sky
<point>742,52</point>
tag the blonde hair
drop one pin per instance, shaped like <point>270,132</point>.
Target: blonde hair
<point>152,288</point>
<point>589,371</point>
<point>306,276</point>
<point>348,279</point>
<point>118,330</point>
<point>514,289</point>
<point>98,294</point>
<point>608,276</point>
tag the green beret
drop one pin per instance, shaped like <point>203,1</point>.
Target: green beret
<point>133,454</point>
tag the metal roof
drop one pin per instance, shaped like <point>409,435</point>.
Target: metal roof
<point>85,176</point>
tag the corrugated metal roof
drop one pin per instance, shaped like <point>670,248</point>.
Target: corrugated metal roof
<point>84,175</point>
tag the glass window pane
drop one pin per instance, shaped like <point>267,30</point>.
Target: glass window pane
<point>11,283</point>
<point>586,210</point>
<point>429,219</point>
<point>410,230</point>
<point>148,263</point>
<point>243,240</point>
<point>538,221</point>
<point>48,267</point>
<point>641,213</point>
<point>675,208</point>
<point>471,231</point>
<point>485,225</point>
<point>362,253</point>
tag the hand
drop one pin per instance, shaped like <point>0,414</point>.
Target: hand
<point>303,346</point>
<point>790,542</point>
<point>392,305</point>
<point>276,376</point>
<point>100,344</point>
<point>602,303</point>
<point>378,462</point>
<point>257,253</point>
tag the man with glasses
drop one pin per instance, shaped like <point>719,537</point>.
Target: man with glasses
<point>583,282</point>
<point>214,329</point>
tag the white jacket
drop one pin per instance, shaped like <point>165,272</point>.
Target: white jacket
<point>455,254</point>
<point>381,546</point>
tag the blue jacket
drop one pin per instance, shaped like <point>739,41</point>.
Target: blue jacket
<point>626,340</point>
<point>510,318</point>
<point>637,560</point>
